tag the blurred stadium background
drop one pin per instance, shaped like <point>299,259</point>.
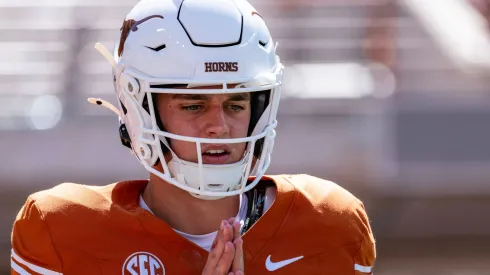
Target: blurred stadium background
<point>389,98</point>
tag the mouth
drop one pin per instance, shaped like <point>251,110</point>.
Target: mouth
<point>216,156</point>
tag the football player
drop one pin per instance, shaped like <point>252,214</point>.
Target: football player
<point>198,85</point>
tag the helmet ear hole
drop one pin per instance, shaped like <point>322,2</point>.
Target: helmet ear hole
<point>145,151</point>
<point>129,84</point>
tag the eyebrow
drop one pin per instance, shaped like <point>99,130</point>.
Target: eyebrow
<point>240,97</point>
<point>189,96</point>
<point>232,97</point>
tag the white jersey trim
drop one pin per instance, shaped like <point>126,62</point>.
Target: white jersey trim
<point>17,268</point>
<point>362,268</point>
<point>33,267</point>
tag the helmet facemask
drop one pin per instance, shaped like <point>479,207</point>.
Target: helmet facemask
<point>201,179</point>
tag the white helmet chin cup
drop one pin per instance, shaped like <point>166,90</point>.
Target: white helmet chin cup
<point>215,178</point>
<point>195,43</point>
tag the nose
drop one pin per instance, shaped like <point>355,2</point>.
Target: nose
<point>216,123</point>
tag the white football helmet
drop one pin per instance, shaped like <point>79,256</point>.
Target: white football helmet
<point>168,43</point>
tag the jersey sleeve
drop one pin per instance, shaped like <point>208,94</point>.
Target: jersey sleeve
<point>366,256</point>
<point>32,250</point>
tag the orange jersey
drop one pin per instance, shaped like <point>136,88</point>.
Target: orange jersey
<point>313,227</point>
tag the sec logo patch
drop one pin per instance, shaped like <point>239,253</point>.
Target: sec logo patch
<point>143,263</point>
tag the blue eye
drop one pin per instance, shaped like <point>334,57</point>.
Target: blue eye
<point>191,108</point>
<point>236,107</point>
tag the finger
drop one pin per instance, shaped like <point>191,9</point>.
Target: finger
<point>231,220</point>
<point>228,231</point>
<point>216,251</point>
<point>238,264</point>
<point>218,235</point>
<point>224,264</point>
<point>236,230</point>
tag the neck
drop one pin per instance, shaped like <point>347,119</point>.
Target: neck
<point>185,213</point>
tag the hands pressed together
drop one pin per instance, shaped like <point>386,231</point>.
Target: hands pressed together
<point>226,254</point>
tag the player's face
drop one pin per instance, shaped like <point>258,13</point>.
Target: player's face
<point>206,116</point>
